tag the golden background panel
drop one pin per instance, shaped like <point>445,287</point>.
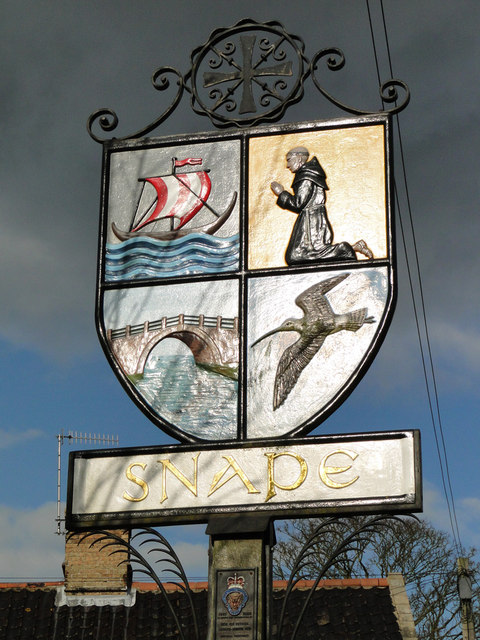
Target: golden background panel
<point>354,162</point>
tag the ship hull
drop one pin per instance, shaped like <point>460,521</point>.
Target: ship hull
<point>209,228</point>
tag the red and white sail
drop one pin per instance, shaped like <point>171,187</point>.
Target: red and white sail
<point>178,195</point>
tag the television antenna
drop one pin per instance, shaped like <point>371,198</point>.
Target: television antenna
<point>71,437</point>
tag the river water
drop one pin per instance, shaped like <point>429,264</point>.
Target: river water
<point>198,402</point>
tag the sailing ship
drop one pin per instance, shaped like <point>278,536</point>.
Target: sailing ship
<point>177,198</point>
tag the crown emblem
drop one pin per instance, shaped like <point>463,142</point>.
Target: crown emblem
<point>236,581</point>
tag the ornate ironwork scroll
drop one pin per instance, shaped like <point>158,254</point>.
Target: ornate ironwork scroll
<point>245,75</point>
<point>343,539</point>
<point>161,80</point>
<point>391,91</point>
<point>164,552</point>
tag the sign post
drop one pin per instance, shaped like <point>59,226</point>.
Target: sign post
<point>240,577</point>
<point>246,280</point>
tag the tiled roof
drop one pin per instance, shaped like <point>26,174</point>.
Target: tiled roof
<point>26,613</point>
<point>31,614</point>
<point>347,613</point>
<point>338,611</point>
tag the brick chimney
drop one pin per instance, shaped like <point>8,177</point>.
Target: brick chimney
<point>96,568</point>
<point>401,606</point>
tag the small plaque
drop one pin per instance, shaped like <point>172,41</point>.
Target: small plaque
<point>236,604</point>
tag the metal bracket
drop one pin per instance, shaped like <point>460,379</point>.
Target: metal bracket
<point>245,75</point>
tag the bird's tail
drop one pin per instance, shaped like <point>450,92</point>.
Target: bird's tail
<point>353,320</point>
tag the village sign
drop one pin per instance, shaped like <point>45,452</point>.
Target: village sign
<point>246,280</point>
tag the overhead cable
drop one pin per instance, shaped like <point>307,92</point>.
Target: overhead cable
<point>432,391</point>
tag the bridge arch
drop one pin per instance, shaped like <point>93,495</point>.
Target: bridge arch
<point>200,343</point>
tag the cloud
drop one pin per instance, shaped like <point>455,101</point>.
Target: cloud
<point>435,508</point>
<point>12,438</point>
<point>49,199</point>
<point>189,543</point>
<point>30,548</point>
<point>472,505</point>
<point>194,558</point>
<point>469,509</point>
<point>467,513</point>
<point>460,344</point>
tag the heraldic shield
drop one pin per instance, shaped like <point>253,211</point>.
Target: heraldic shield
<point>246,279</point>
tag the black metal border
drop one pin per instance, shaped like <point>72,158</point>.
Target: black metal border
<point>242,274</point>
<point>314,508</point>
<point>392,92</point>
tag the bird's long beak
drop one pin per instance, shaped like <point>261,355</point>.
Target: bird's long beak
<point>265,335</point>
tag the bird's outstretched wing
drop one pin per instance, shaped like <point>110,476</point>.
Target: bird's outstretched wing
<point>313,300</point>
<point>293,361</point>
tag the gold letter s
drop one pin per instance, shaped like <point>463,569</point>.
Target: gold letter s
<point>141,483</point>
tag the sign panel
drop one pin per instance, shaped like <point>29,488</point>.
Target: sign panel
<point>313,476</point>
<point>246,279</point>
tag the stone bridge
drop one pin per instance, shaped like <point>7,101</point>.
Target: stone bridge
<point>212,340</point>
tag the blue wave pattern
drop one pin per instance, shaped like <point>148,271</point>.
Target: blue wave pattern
<point>147,258</point>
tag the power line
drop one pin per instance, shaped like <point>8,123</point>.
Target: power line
<point>439,439</point>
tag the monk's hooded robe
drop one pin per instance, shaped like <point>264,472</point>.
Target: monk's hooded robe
<point>312,234</point>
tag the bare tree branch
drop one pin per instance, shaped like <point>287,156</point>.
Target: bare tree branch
<point>423,554</point>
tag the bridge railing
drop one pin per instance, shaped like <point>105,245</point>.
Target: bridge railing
<point>181,319</point>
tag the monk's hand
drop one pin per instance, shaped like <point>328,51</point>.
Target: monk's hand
<point>276,187</point>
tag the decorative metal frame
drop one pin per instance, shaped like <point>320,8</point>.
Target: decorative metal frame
<point>351,543</point>
<point>244,274</point>
<point>260,61</point>
<point>244,75</point>
<point>166,554</point>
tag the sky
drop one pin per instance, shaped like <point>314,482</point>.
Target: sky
<point>59,62</point>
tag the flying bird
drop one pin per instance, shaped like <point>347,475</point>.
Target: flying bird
<point>318,321</point>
